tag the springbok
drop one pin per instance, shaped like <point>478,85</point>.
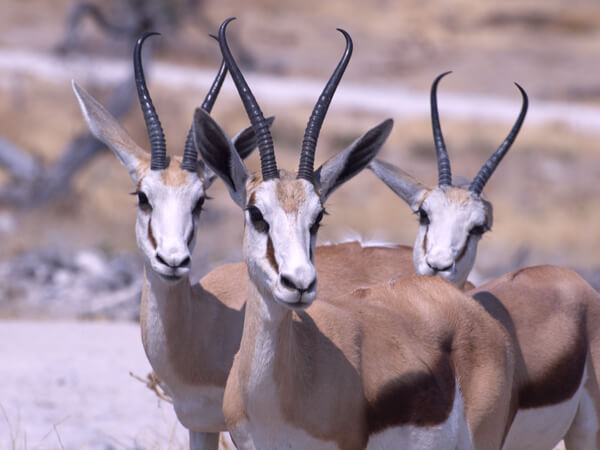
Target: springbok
<point>551,312</point>
<point>452,217</point>
<point>177,320</point>
<point>434,372</point>
<point>191,333</point>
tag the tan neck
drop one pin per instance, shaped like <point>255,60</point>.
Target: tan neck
<point>179,320</point>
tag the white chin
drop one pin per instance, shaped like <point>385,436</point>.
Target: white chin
<point>425,270</point>
<point>294,300</point>
<point>170,275</point>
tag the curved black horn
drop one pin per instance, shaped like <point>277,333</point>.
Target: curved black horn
<point>490,165</point>
<point>311,134</point>
<point>444,173</point>
<point>261,127</point>
<point>190,155</point>
<point>158,145</point>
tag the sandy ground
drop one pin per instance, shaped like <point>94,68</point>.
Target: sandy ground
<point>68,385</point>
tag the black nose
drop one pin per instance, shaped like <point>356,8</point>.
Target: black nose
<point>185,262</point>
<point>440,269</point>
<point>290,284</point>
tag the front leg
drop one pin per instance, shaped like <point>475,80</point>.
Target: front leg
<point>204,441</point>
<point>241,436</point>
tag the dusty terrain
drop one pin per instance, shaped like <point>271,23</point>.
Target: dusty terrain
<point>545,193</point>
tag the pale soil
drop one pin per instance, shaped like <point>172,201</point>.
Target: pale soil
<point>68,385</point>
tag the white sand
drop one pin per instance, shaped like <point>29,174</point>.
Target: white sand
<point>67,385</point>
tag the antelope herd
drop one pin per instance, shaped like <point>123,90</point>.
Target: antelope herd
<point>380,353</point>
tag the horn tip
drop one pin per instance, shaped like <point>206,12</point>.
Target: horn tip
<point>523,93</point>
<point>227,21</point>
<point>440,76</point>
<point>349,43</point>
<point>146,35</point>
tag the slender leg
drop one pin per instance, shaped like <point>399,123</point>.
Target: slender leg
<point>204,441</point>
<point>585,429</point>
<point>226,442</point>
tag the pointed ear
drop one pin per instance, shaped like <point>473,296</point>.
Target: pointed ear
<point>245,141</point>
<point>343,166</point>
<point>405,186</point>
<point>220,155</point>
<point>108,130</point>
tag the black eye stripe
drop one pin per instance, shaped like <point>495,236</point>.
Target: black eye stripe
<point>198,206</point>
<point>478,230</point>
<point>257,219</point>
<point>317,223</point>
<point>143,202</point>
<point>423,217</point>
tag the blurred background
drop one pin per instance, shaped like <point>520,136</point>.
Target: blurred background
<point>69,266</point>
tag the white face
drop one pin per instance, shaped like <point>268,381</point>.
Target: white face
<point>169,205</point>
<point>451,222</point>
<point>282,219</point>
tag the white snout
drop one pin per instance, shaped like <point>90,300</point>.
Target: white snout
<point>297,287</point>
<point>440,260</point>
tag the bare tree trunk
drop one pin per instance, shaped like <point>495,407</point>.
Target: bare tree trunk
<point>34,184</point>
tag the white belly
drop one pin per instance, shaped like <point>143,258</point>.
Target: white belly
<point>543,428</point>
<point>200,408</point>
<point>277,435</point>
<point>452,434</point>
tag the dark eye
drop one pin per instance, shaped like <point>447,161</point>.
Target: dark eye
<point>143,202</point>
<point>478,230</point>
<point>317,223</point>
<point>423,217</point>
<point>258,220</point>
<point>198,206</point>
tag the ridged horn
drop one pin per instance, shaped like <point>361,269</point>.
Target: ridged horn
<point>190,155</point>
<point>261,127</point>
<point>313,127</point>
<point>158,145</point>
<point>490,165</point>
<point>444,173</point>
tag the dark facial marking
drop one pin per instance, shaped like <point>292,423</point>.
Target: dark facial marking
<point>143,202</point>
<point>151,235</point>
<point>317,223</point>
<point>271,255</point>
<point>423,217</point>
<point>198,206</point>
<point>257,219</point>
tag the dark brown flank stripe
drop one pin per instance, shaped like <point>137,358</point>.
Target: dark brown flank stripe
<point>271,255</point>
<point>561,381</point>
<point>419,398</point>
<point>150,235</point>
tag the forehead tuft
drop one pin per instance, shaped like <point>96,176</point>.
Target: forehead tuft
<point>458,196</point>
<point>289,191</point>
<point>174,176</point>
<point>290,194</point>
